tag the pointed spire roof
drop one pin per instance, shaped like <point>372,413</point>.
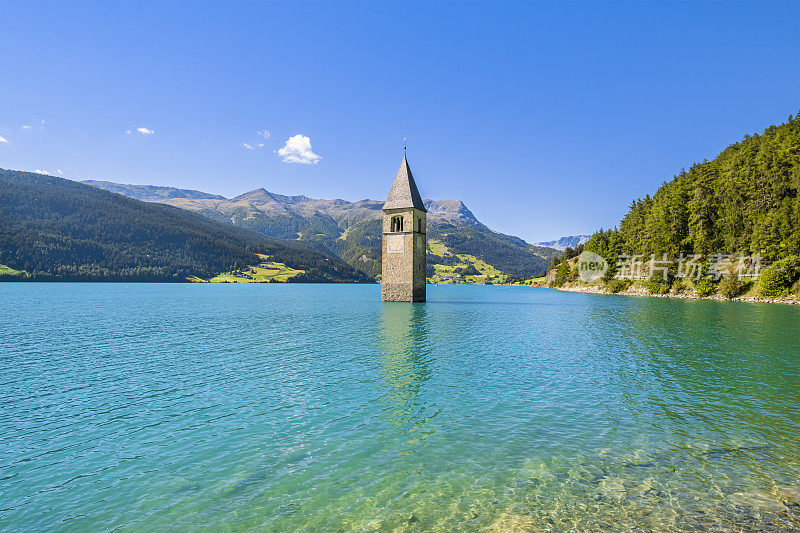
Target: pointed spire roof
<point>404,191</point>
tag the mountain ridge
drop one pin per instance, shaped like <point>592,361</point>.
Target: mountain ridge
<point>562,243</point>
<point>55,229</point>
<point>150,192</point>
<point>351,229</point>
<point>449,210</point>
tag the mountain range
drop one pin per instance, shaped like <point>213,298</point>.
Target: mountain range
<point>461,247</point>
<point>54,229</point>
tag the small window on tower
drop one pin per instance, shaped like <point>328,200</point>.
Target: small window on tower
<point>419,225</point>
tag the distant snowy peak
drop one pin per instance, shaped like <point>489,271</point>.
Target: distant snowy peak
<point>562,243</point>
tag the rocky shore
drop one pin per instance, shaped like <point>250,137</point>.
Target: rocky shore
<point>687,295</point>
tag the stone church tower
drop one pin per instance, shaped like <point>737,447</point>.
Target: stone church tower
<point>404,241</point>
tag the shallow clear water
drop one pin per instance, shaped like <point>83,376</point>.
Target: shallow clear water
<point>287,407</point>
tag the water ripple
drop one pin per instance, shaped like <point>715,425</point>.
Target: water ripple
<point>317,407</point>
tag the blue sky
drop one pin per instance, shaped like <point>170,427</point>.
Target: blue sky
<point>545,119</point>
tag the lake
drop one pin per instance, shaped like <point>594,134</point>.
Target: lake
<point>281,407</point>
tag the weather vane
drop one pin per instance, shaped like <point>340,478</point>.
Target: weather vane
<point>404,146</point>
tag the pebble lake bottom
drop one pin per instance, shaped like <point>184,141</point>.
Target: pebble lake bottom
<point>280,407</point>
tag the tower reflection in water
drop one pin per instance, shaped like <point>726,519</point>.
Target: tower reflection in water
<point>406,365</point>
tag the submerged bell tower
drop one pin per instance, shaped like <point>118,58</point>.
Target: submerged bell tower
<point>404,241</point>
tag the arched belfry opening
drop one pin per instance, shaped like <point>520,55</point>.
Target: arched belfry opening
<point>404,241</point>
<point>397,224</point>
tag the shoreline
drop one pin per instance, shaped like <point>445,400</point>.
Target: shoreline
<point>683,296</point>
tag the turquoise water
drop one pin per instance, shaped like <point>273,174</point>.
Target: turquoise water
<point>290,407</point>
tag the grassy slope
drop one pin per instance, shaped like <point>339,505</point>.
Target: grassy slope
<point>511,255</point>
<point>275,272</point>
<point>533,282</point>
<point>446,263</point>
<point>8,271</point>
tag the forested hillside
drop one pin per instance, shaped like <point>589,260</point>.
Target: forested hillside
<point>56,229</point>
<point>745,200</point>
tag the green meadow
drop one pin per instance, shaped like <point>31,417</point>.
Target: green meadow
<point>265,272</point>
<point>536,282</point>
<point>8,271</point>
<point>453,268</point>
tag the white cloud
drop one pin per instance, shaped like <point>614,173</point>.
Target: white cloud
<point>59,172</point>
<point>129,132</point>
<point>256,146</point>
<point>145,131</point>
<point>34,123</point>
<point>298,150</point>
<point>40,171</point>
<point>3,140</point>
<point>253,147</point>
